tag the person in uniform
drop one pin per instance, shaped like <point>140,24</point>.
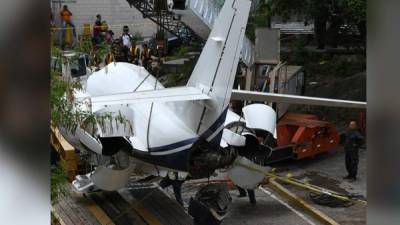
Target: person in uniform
<point>116,54</point>
<point>134,53</point>
<point>353,140</point>
<point>126,40</point>
<point>146,57</point>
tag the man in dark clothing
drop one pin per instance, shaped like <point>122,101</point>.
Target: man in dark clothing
<point>126,40</point>
<point>146,57</point>
<point>250,192</point>
<point>116,54</point>
<point>134,53</point>
<point>97,29</point>
<point>176,186</point>
<point>353,141</point>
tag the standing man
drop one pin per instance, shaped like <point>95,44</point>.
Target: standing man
<point>134,53</point>
<point>97,29</point>
<point>126,39</point>
<point>145,56</point>
<point>353,141</point>
<point>66,20</point>
<point>116,54</point>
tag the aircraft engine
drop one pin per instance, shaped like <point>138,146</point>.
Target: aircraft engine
<point>252,136</point>
<point>257,127</point>
<point>260,117</point>
<point>205,159</point>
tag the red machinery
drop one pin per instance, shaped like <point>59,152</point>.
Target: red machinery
<point>308,135</point>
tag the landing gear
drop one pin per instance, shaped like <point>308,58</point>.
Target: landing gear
<point>210,205</point>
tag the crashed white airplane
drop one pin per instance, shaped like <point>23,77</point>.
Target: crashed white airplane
<point>188,130</point>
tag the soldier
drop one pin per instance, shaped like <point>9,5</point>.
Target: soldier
<point>126,41</point>
<point>134,53</point>
<point>116,54</point>
<point>146,57</point>
<point>353,141</point>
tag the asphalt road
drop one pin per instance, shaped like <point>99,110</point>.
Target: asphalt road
<point>325,170</point>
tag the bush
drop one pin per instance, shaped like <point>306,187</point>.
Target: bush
<point>323,64</point>
<point>181,51</point>
<point>58,179</point>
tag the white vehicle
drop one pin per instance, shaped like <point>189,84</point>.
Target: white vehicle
<point>188,130</point>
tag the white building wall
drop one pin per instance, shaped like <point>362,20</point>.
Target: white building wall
<point>115,12</point>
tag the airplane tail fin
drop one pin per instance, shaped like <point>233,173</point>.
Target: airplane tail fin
<point>216,68</point>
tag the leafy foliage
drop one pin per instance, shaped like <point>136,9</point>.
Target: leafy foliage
<point>67,112</point>
<point>286,8</point>
<point>61,98</point>
<point>354,10</point>
<point>84,46</point>
<point>100,51</point>
<point>320,64</point>
<point>58,179</point>
<point>259,18</point>
<point>181,51</point>
<point>351,13</point>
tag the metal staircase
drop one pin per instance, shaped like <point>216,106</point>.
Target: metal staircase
<point>166,20</point>
<point>205,12</point>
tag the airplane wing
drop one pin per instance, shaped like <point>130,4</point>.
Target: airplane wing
<point>159,95</point>
<point>294,99</point>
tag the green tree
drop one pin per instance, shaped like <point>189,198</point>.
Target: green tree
<point>355,13</point>
<point>336,12</point>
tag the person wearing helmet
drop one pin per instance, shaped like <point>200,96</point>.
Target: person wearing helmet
<point>145,57</point>
<point>134,53</point>
<point>126,39</point>
<point>116,54</point>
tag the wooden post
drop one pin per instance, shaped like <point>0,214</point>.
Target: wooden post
<point>68,157</point>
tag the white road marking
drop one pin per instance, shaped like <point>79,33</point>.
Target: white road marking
<point>287,205</point>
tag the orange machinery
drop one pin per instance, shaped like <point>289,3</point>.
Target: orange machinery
<point>307,134</point>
